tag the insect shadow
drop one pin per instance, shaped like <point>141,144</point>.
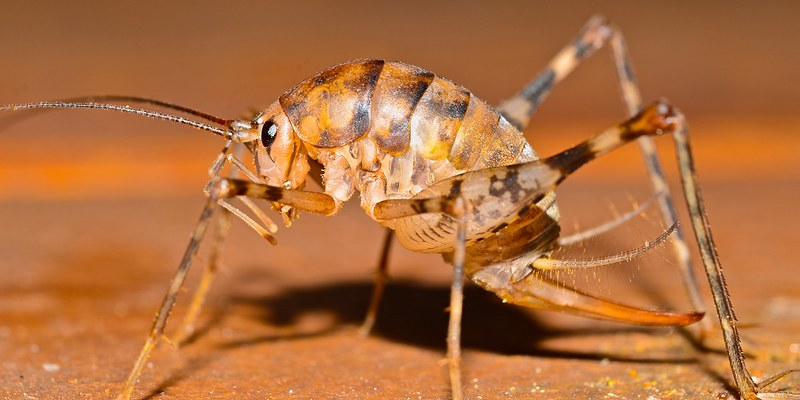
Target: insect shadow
<point>414,313</point>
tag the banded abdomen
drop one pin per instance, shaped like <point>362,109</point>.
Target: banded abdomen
<point>414,118</point>
<point>406,126</point>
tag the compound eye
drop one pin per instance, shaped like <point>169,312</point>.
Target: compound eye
<point>268,132</point>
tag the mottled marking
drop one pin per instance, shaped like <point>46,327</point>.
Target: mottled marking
<point>437,118</point>
<point>582,48</point>
<point>333,108</point>
<point>477,129</point>
<point>361,117</point>
<point>419,207</point>
<point>293,108</point>
<point>394,166</point>
<point>507,184</point>
<point>455,188</point>
<point>421,175</point>
<point>569,160</point>
<point>536,91</point>
<point>655,119</point>
<point>398,90</point>
<point>504,147</point>
<point>630,131</point>
<point>456,108</point>
<point>273,193</point>
<point>413,93</point>
<point>444,204</point>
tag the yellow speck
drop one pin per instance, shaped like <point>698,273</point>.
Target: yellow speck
<point>633,373</point>
<point>606,381</point>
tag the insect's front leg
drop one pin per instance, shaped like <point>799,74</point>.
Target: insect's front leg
<point>187,326</point>
<point>315,202</point>
<point>221,189</point>
<point>160,321</point>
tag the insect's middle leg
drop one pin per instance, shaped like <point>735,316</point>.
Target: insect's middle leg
<point>381,276</point>
<point>458,208</point>
<point>595,34</point>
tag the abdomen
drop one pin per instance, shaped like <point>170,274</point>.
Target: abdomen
<point>408,113</point>
<point>407,125</point>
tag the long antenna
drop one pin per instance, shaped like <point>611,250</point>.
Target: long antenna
<point>226,133</point>
<point>146,100</point>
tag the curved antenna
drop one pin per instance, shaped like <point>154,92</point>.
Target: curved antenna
<point>226,133</point>
<point>147,100</point>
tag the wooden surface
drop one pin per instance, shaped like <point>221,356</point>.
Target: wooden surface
<point>95,209</point>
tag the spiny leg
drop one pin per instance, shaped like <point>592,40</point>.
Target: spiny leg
<point>594,35</point>
<point>157,330</point>
<point>713,267</point>
<point>381,276</point>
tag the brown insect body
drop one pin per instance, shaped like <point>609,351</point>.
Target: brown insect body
<point>391,130</point>
<point>395,131</point>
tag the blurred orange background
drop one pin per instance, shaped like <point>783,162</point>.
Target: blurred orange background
<point>730,66</point>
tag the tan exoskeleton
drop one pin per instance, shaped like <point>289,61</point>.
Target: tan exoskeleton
<point>446,173</point>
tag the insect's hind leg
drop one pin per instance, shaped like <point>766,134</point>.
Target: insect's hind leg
<point>595,34</point>
<point>713,267</point>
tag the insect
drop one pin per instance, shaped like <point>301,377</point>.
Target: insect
<point>445,173</point>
